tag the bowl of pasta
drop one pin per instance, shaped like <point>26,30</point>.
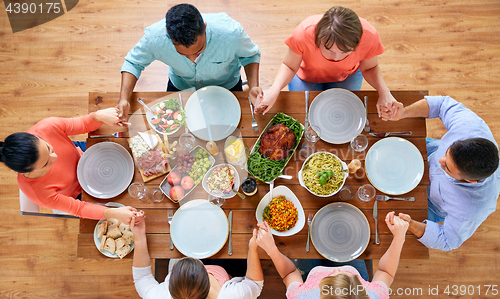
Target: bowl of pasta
<point>323,174</point>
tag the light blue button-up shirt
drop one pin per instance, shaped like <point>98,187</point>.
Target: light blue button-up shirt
<point>228,48</point>
<point>463,206</point>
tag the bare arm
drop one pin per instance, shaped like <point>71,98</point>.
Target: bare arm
<point>373,75</point>
<point>286,72</point>
<point>141,254</point>
<point>254,268</point>
<point>389,262</point>
<point>252,72</point>
<point>127,88</point>
<point>416,228</point>
<point>417,109</point>
<point>285,267</point>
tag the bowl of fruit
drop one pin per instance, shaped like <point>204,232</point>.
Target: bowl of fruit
<point>187,174</point>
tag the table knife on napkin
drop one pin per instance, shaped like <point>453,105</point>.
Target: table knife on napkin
<point>385,134</point>
<point>230,220</point>
<point>375,215</point>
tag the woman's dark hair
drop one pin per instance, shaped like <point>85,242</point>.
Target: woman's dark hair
<point>19,152</point>
<point>189,280</point>
<point>476,158</point>
<point>340,26</point>
<point>184,24</point>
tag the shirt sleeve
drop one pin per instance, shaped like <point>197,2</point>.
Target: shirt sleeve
<point>146,285</point>
<point>241,288</point>
<point>453,114</point>
<point>449,235</point>
<point>74,126</point>
<point>248,52</point>
<point>139,57</point>
<point>296,40</point>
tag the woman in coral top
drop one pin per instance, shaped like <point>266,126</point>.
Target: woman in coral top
<point>46,161</point>
<point>337,282</point>
<point>335,50</point>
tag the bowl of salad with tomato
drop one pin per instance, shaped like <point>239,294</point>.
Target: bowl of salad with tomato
<point>166,117</point>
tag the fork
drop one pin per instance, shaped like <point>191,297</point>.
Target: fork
<point>115,134</point>
<point>170,216</point>
<point>309,221</point>
<point>255,126</point>
<point>386,198</point>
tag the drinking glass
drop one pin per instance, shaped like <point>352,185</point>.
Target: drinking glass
<point>366,192</point>
<point>312,135</point>
<point>359,143</point>
<point>346,193</point>
<point>138,191</point>
<point>187,141</point>
<point>155,194</point>
<point>218,201</point>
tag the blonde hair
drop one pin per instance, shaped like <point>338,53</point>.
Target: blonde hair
<point>340,26</point>
<point>189,280</point>
<point>340,287</point>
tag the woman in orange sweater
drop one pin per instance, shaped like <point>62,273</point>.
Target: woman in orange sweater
<point>46,161</point>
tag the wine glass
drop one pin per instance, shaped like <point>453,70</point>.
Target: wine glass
<point>312,135</point>
<point>187,141</point>
<point>218,201</point>
<point>138,191</point>
<point>359,143</point>
<point>366,192</point>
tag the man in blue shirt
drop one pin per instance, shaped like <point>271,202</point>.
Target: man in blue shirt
<point>463,170</point>
<point>199,50</point>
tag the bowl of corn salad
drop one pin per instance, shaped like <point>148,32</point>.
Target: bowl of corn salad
<point>283,213</point>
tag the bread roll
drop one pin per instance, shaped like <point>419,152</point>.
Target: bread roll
<point>120,242</point>
<point>103,228</point>
<point>110,245</point>
<point>128,236</point>
<point>103,241</point>
<point>113,222</point>
<point>114,232</point>
<point>122,252</point>
<point>123,227</point>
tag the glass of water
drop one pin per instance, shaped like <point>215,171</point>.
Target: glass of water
<point>138,191</point>
<point>312,135</point>
<point>359,143</point>
<point>218,201</point>
<point>187,141</point>
<point>366,192</point>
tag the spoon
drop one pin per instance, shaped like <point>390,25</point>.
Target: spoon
<point>146,106</point>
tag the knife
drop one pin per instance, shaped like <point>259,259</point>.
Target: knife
<point>306,123</point>
<point>375,215</point>
<point>230,220</point>
<point>385,134</point>
<point>367,122</point>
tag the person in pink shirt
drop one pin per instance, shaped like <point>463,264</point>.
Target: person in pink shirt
<point>337,282</point>
<point>334,50</point>
<point>46,161</point>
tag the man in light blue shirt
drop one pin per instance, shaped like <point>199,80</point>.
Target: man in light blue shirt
<point>199,50</point>
<point>463,170</point>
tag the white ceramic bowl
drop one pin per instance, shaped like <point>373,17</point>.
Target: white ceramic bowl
<point>283,190</point>
<point>221,195</point>
<point>344,168</point>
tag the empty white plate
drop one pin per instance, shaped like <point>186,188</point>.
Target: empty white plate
<point>339,114</point>
<point>199,229</point>
<point>394,165</point>
<point>105,170</point>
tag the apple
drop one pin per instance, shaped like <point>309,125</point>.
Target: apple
<point>174,178</point>
<point>176,193</point>
<point>187,182</point>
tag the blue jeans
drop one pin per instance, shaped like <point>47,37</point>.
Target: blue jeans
<point>353,82</point>
<point>81,144</point>
<point>305,266</point>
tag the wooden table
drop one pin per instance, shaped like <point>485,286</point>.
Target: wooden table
<point>292,103</point>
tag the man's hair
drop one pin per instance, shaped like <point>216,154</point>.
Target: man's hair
<point>340,26</point>
<point>476,158</point>
<point>19,152</point>
<point>189,280</point>
<point>184,24</point>
<point>341,286</point>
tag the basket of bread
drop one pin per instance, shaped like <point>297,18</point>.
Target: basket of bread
<point>113,238</point>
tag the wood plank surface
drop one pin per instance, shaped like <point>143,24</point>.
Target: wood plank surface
<point>446,47</point>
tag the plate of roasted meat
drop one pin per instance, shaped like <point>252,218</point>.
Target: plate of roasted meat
<point>275,147</point>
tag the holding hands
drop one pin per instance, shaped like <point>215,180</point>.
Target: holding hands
<point>109,117</point>
<point>264,237</point>
<point>397,225</point>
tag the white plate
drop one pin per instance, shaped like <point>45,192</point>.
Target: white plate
<point>214,108</point>
<point>339,114</point>
<point>283,190</point>
<point>221,195</point>
<point>340,232</point>
<point>394,165</point>
<point>105,170</point>
<point>97,241</point>
<point>199,229</point>
<point>344,168</point>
